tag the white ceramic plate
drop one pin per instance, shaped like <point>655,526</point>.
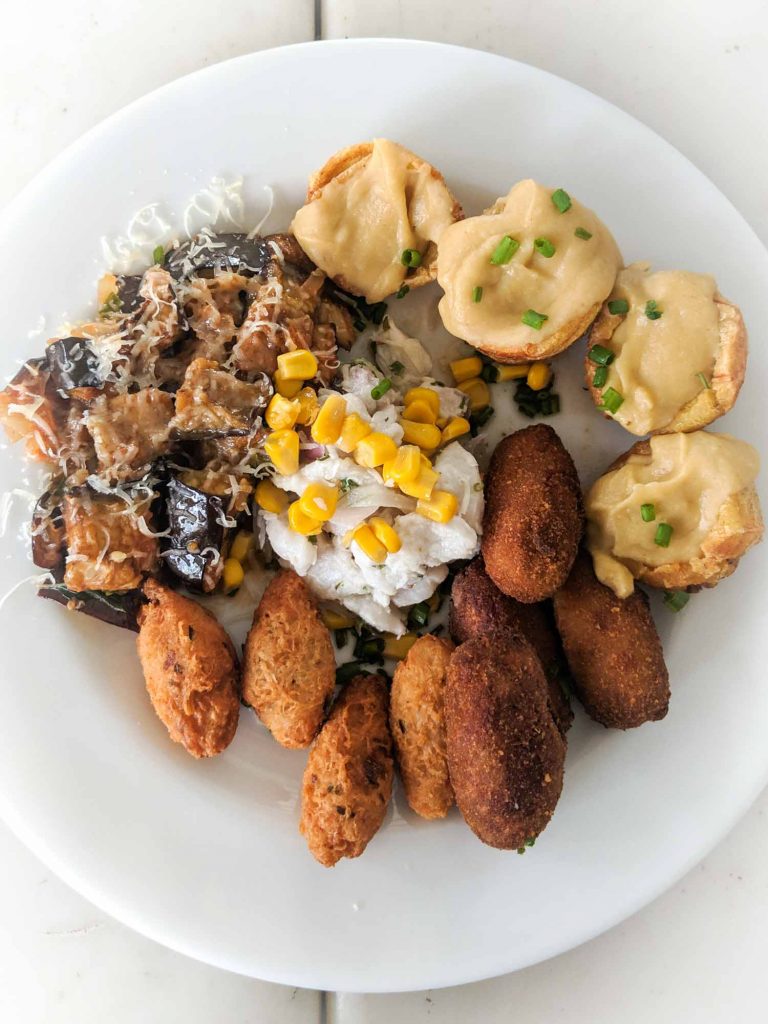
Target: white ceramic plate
<point>205,857</point>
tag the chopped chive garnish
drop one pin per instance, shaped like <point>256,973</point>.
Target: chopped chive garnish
<point>601,355</point>
<point>377,312</point>
<point>600,376</point>
<point>533,319</point>
<point>340,638</point>
<point>346,485</point>
<point>158,254</point>
<point>478,419</point>
<point>419,614</point>
<point>397,368</point>
<point>618,306</point>
<point>663,535</point>
<point>112,304</point>
<point>411,258</point>
<point>348,671</point>
<point>544,247</point>
<point>561,200</point>
<point>504,251</point>
<point>489,373</point>
<point>676,600</point>
<point>583,233</point>
<point>652,310</point>
<point>358,324</point>
<point>648,512</point>
<point>612,400</point>
<point>477,293</point>
<point>402,291</point>
<point>381,388</point>
<point>704,382</point>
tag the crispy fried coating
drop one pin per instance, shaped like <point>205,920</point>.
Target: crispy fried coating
<point>191,670</point>
<point>534,515</point>
<point>505,752</point>
<point>348,779</point>
<point>417,721</point>
<point>478,607</point>
<point>613,650</point>
<point>289,669</point>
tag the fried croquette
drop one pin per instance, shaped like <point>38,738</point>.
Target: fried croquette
<point>505,752</point>
<point>417,721</point>
<point>289,669</point>
<point>534,515</point>
<point>613,650</point>
<point>348,778</point>
<point>191,670</point>
<point>478,607</point>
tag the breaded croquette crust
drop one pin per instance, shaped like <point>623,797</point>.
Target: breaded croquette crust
<point>613,650</point>
<point>348,778</point>
<point>505,752</point>
<point>534,514</point>
<point>191,670</point>
<point>289,669</point>
<point>417,721</point>
<point>479,607</point>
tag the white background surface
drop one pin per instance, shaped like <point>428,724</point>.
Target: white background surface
<point>698,74</point>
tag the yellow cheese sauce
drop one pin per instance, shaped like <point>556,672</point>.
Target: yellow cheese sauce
<point>658,361</point>
<point>686,477</point>
<point>360,224</point>
<point>563,287</point>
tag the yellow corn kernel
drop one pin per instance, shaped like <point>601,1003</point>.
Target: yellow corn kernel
<point>107,287</point>
<point>440,507</point>
<point>383,532</point>
<point>374,450</point>
<point>457,426</point>
<point>511,372</point>
<point>398,646</point>
<point>271,498</point>
<point>353,430</point>
<point>419,412</point>
<point>441,422</point>
<point>298,365</point>
<point>232,575</point>
<point>308,406</point>
<point>405,465</point>
<point>282,447</point>
<point>299,521</point>
<point>425,435</point>
<point>477,392</point>
<point>466,369</point>
<point>427,395</point>
<point>327,427</point>
<point>334,619</point>
<point>319,502</point>
<point>241,545</point>
<point>369,544</point>
<point>284,387</point>
<point>539,376</point>
<point>422,486</point>
<point>281,413</point>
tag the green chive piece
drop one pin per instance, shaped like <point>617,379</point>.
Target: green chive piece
<point>411,258</point>
<point>704,382</point>
<point>600,376</point>
<point>676,600</point>
<point>489,373</point>
<point>504,251</point>
<point>618,306</point>
<point>544,247</point>
<point>663,535</point>
<point>158,254</point>
<point>648,512</point>
<point>397,368</point>
<point>381,388</point>
<point>561,200</point>
<point>612,400</point>
<point>533,319</point>
<point>478,419</point>
<point>419,615</point>
<point>583,233</point>
<point>652,310</point>
<point>112,304</point>
<point>348,671</point>
<point>402,291</point>
<point>477,293</point>
<point>601,355</point>
<point>554,405</point>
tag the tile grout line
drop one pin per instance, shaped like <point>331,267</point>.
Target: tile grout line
<point>318,19</point>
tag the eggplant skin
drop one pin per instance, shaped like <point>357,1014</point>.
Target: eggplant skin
<point>73,364</point>
<point>128,291</point>
<point>49,543</point>
<point>239,254</point>
<point>116,608</point>
<point>195,521</point>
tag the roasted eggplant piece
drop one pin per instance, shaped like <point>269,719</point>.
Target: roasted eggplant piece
<point>195,547</point>
<point>128,291</point>
<point>213,403</point>
<point>204,255</point>
<point>117,608</point>
<point>73,365</point>
<point>49,542</point>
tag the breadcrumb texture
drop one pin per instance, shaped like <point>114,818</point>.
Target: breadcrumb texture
<point>613,650</point>
<point>417,721</point>
<point>534,514</point>
<point>348,779</point>
<point>191,670</point>
<point>289,669</point>
<point>506,754</point>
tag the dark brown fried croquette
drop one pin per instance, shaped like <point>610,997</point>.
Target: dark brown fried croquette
<point>417,721</point>
<point>505,752</point>
<point>479,607</point>
<point>534,514</point>
<point>348,778</point>
<point>613,650</point>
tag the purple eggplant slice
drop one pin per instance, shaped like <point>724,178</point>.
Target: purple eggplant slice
<point>194,548</point>
<point>204,255</point>
<point>49,543</point>
<point>128,286</point>
<point>117,608</point>
<point>73,364</point>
